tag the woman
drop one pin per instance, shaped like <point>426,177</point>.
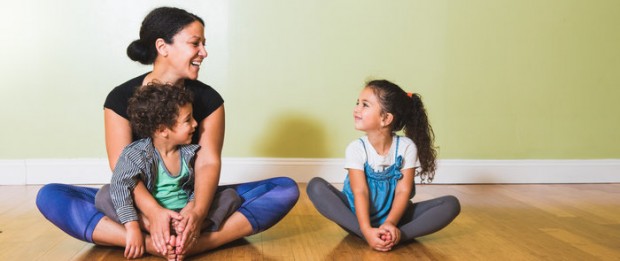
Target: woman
<point>173,41</point>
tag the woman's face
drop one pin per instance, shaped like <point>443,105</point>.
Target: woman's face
<point>186,53</point>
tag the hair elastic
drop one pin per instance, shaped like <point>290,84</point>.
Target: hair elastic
<point>410,94</point>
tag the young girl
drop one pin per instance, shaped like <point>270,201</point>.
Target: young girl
<point>375,202</point>
<point>163,161</point>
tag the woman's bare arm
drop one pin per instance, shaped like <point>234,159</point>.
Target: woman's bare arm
<point>117,135</point>
<point>207,172</point>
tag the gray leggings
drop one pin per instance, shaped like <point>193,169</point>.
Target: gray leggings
<point>419,219</point>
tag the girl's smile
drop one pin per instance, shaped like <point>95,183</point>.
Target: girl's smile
<point>367,111</point>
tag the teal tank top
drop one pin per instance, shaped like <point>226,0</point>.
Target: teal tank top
<point>168,191</point>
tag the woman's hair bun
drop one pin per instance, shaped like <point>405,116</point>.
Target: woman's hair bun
<point>138,52</point>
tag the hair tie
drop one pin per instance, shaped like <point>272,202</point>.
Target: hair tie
<point>410,94</point>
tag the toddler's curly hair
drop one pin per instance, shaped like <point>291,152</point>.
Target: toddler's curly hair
<point>156,105</point>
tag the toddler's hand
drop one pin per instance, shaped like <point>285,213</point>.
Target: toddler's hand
<point>134,244</point>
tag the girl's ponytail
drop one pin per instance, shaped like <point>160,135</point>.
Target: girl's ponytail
<point>418,129</point>
<point>410,116</point>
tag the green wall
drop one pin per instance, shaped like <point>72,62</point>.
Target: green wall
<point>500,79</point>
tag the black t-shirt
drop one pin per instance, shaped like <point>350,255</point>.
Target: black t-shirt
<point>206,100</point>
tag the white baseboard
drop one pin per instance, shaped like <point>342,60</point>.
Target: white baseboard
<point>237,170</point>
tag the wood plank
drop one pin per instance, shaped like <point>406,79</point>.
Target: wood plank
<point>497,222</point>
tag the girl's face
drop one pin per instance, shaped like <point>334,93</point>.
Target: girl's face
<point>367,112</point>
<point>186,52</point>
<point>183,130</point>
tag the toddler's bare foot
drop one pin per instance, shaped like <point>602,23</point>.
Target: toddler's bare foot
<point>180,256</point>
<point>151,249</point>
<point>171,251</point>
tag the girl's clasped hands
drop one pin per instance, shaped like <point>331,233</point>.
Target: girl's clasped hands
<point>382,238</point>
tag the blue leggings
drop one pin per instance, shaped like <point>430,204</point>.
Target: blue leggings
<point>72,208</point>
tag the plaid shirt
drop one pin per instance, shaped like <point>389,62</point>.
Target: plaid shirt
<point>139,161</point>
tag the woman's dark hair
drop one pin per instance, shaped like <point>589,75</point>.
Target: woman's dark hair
<point>409,115</point>
<point>164,23</point>
<point>154,105</point>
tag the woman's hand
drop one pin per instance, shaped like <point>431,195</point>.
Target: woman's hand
<point>375,239</point>
<point>159,223</point>
<point>207,175</point>
<point>188,229</point>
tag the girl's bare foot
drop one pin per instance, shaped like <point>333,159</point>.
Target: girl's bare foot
<point>386,236</point>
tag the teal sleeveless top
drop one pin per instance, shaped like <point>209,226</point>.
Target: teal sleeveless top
<point>168,189</point>
<point>381,187</point>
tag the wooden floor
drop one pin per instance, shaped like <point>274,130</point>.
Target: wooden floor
<point>497,222</point>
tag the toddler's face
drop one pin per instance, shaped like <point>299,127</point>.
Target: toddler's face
<point>186,125</point>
